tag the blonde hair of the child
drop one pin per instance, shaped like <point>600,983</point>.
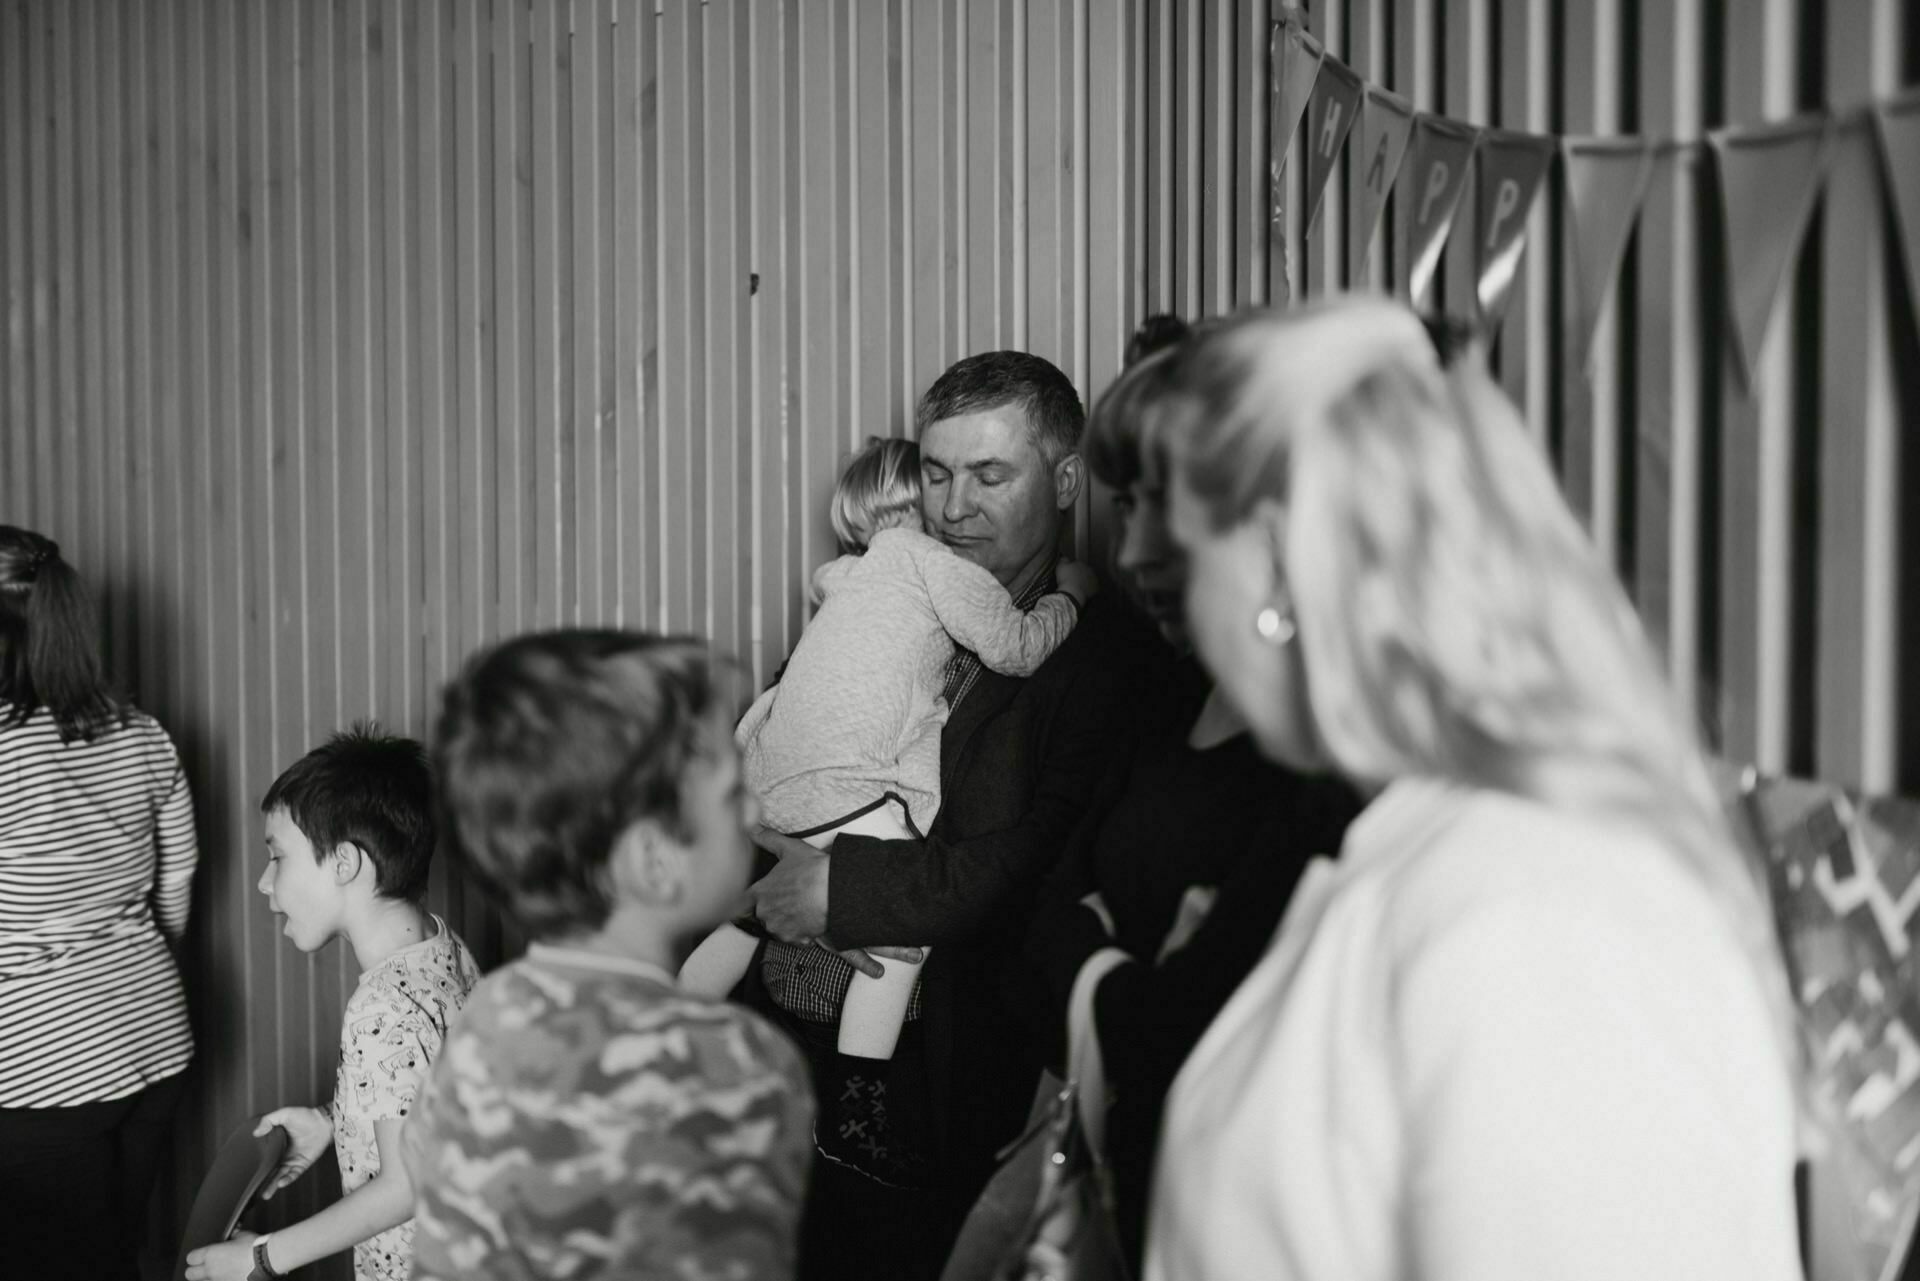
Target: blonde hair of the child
<point>880,489</point>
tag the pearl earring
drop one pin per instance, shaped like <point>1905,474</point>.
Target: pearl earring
<point>1274,627</point>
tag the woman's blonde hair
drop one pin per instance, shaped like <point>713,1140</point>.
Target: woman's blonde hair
<point>1455,619</point>
<point>880,489</point>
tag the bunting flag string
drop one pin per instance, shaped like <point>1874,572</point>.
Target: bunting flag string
<point>1770,177</point>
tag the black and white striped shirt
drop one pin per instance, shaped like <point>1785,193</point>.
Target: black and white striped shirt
<point>96,863</point>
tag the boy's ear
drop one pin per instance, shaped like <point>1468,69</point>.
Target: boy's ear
<point>648,866</point>
<point>345,862</point>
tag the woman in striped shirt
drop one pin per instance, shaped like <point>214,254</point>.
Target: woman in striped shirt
<point>96,862</point>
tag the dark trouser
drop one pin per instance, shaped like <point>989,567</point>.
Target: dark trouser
<point>857,1229</point>
<point>74,1184</point>
<point>869,1214</point>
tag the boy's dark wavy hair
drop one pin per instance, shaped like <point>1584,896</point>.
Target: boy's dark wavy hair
<point>370,788</point>
<point>550,745</point>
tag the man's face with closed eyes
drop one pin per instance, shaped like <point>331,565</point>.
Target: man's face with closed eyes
<point>988,493</point>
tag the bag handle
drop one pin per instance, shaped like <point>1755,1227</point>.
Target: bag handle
<point>1086,1068</point>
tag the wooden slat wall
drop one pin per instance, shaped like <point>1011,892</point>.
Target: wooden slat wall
<point>342,338</point>
<point>1770,540</point>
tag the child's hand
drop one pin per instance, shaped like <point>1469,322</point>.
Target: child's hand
<point>1076,579</point>
<point>231,1260</point>
<point>309,1133</point>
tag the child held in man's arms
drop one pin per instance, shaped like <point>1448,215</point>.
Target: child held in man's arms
<point>588,1118</point>
<point>350,836</point>
<point>849,739</point>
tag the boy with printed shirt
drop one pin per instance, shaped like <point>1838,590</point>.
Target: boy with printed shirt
<point>350,836</point>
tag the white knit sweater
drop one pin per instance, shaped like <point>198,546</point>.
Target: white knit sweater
<point>858,711</point>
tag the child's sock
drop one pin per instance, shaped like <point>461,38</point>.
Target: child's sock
<point>875,1009</point>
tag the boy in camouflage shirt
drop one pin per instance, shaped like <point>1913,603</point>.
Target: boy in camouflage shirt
<point>585,1117</point>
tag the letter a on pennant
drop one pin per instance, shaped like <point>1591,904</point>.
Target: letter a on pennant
<point>1386,121</point>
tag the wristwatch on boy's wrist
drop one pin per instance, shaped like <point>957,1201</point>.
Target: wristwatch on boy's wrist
<point>262,1265</point>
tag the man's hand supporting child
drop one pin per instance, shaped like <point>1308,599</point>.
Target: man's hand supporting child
<point>791,901</point>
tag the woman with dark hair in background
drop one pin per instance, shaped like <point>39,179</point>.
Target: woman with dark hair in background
<point>96,862</point>
<point>1170,890</point>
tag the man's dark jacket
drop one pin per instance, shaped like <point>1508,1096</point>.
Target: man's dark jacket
<point>1019,761</point>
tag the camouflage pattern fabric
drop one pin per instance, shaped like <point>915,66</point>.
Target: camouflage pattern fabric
<point>587,1121</point>
<point>1844,871</point>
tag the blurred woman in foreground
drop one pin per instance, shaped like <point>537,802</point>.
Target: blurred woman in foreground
<point>1533,1022</point>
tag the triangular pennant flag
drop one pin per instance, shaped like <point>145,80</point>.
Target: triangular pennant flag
<point>1293,66</point>
<point>1769,177</point>
<point>1607,180</point>
<point>1336,98</point>
<point>1436,173</point>
<point>1512,167</point>
<point>1899,129</point>
<point>1386,121</point>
